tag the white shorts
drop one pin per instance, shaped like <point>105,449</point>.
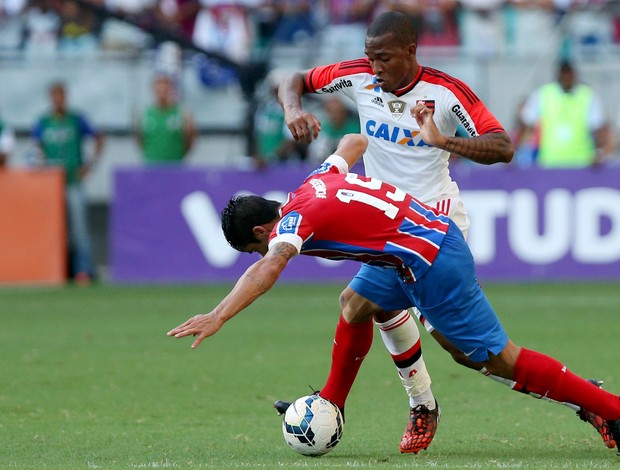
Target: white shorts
<point>454,208</point>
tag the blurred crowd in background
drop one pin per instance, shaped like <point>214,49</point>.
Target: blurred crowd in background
<point>248,31</point>
<point>244,27</point>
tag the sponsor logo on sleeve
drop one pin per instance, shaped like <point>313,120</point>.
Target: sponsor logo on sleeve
<point>289,223</point>
<point>467,125</point>
<point>339,85</point>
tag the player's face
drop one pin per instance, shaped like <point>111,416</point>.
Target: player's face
<point>162,89</point>
<point>567,79</point>
<point>57,95</point>
<point>260,247</point>
<point>393,64</point>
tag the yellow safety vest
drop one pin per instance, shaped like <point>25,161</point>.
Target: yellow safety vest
<point>565,137</point>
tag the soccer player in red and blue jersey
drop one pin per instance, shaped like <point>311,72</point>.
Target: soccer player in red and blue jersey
<point>423,250</point>
<point>386,87</point>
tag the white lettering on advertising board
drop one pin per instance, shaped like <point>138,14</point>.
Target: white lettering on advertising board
<point>584,224</point>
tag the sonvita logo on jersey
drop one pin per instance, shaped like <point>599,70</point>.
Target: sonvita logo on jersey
<point>344,83</point>
<point>398,135</point>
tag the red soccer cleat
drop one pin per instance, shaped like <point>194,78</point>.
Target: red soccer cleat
<point>600,425</point>
<point>421,429</point>
<point>597,422</point>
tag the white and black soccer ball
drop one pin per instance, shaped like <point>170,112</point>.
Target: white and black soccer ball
<point>312,425</point>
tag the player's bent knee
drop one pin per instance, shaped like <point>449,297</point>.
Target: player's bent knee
<point>358,309</point>
<point>345,296</point>
<point>503,364</point>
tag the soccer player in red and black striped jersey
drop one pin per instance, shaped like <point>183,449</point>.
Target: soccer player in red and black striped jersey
<point>410,114</point>
<point>421,249</point>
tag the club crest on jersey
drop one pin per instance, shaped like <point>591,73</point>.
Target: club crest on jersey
<point>430,104</point>
<point>397,108</point>
<point>321,169</point>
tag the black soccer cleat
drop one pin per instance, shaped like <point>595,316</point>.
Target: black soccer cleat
<point>281,406</point>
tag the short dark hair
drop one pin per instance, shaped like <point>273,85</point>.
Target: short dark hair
<point>57,85</point>
<point>565,65</point>
<point>401,25</point>
<point>242,214</point>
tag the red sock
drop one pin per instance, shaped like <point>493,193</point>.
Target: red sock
<point>544,375</point>
<point>351,344</point>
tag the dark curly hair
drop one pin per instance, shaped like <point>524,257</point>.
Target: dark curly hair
<point>242,214</point>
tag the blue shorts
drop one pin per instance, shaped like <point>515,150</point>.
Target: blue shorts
<point>448,295</point>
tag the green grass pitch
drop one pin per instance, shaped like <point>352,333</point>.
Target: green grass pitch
<point>90,380</point>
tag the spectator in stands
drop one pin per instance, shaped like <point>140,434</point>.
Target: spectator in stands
<point>338,121</point>
<point>574,130</point>
<point>7,142</point>
<point>296,22</point>
<point>265,18</point>
<point>345,32</point>
<point>224,27</point>
<point>60,134</point>
<point>177,17</point>
<point>11,23</point>
<point>533,27</point>
<point>117,34</point>
<point>273,143</point>
<point>41,28</point>
<point>79,30</point>
<point>165,130</point>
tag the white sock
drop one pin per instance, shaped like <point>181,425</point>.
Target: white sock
<point>402,339</point>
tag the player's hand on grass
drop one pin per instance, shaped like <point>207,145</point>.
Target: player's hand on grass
<point>202,326</point>
<point>304,126</point>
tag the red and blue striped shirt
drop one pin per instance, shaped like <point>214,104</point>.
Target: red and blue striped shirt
<point>339,215</point>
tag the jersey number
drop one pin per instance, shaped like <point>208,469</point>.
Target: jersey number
<point>348,195</point>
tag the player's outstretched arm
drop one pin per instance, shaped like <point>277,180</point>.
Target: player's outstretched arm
<point>258,279</point>
<point>304,126</point>
<point>494,147</point>
<point>351,147</point>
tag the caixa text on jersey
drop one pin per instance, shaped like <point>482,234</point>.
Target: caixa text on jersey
<point>398,135</point>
